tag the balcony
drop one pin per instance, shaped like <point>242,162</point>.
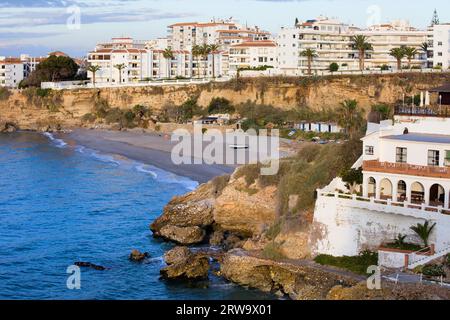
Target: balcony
<point>407,169</point>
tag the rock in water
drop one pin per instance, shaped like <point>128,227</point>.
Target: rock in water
<point>90,265</point>
<point>138,256</point>
<point>183,264</point>
<point>177,254</point>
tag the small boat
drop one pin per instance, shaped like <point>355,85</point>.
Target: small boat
<point>238,146</point>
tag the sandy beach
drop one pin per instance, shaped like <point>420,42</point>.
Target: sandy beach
<point>148,148</point>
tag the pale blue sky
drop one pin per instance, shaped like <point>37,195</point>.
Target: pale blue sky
<point>39,26</point>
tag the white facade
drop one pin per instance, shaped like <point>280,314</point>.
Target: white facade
<point>319,127</point>
<point>11,72</point>
<point>406,180</point>
<point>331,39</point>
<point>252,54</point>
<point>441,46</point>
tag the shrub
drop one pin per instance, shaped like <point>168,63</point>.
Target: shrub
<point>89,117</point>
<point>333,67</point>
<point>220,105</point>
<point>43,92</point>
<point>384,67</point>
<point>433,270</point>
<point>272,251</point>
<point>4,93</point>
<point>357,264</point>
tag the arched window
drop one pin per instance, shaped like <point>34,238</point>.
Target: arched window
<point>401,191</point>
<point>386,189</point>
<point>372,187</point>
<point>437,195</point>
<point>417,193</point>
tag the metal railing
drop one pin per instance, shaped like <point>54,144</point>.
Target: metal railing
<point>407,169</point>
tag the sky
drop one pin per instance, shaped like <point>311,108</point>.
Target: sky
<point>37,27</point>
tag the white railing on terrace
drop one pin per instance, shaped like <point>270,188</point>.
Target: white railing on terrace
<point>419,258</point>
<point>389,206</point>
<point>68,85</point>
<point>369,72</point>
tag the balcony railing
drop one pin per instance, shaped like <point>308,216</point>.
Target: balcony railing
<point>407,169</point>
<point>431,111</point>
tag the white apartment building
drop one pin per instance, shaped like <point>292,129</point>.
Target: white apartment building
<point>331,39</point>
<point>406,181</point>
<point>183,36</point>
<point>440,45</point>
<point>252,54</point>
<point>11,72</point>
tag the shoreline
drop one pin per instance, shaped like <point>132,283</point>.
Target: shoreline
<point>148,148</point>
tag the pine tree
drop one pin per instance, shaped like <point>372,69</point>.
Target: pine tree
<point>435,19</point>
<point>296,21</point>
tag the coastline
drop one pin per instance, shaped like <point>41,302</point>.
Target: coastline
<point>149,148</point>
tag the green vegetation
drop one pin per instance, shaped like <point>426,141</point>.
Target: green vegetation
<point>386,112</point>
<point>221,106</point>
<point>94,69</point>
<point>357,264</point>
<point>272,251</point>
<point>52,69</point>
<point>350,117</point>
<point>424,231</point>
<point>361,43</point>
<point>433,270</point>
<point>181,114</point>
<point>260,68</point>
<point>403,246</point>
<point>333,67</point>
<point>4,93</point>
<point>310,55</point>
<point>139,115</point>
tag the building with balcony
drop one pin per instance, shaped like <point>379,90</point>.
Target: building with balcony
<point>252,54</point>
<point>406,181</point>
<point>11,72</point>
<point>331,39</point>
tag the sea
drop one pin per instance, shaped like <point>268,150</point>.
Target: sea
<point>61,203</point>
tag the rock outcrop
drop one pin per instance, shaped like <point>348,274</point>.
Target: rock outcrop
<point>303,281</point>
<point>184,264</point>
<point>7,127</point>
<point>138,256</point>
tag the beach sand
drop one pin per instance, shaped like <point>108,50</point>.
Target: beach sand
<point>148,148</point>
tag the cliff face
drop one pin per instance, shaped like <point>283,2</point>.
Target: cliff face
<point>67,107</point>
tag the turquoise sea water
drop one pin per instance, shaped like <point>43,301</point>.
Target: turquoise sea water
<point>61,203</point>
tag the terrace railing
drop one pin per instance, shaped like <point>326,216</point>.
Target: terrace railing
<point>406,169</point>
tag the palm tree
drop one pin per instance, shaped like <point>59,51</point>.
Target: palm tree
<point>410,53</point>
<point>214,48</point>
<point>361,44</point>
<point>398,54</point>
<point>310,54</point>
<point>424,47</point>
<point>120,67</point>
<point>93,68</point>
<point>196,53</point>
<point>424,231</point>
<point>350,117</point>
<point>169,56</point>
<point>205,50</point>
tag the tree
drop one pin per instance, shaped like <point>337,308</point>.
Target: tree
<point>205,50</point>
<point>361,44</point>
<point>435,19</point>
<point>334,67</point>
<point>120,67</point>
<point>220,105</point>
<point>169,56</point>
<point>350,117</point>
<point>424,47</point>
<point>214,48</point>
<point>353,178</point>
<point>196,53</point>
<point>93,68</point>
<point>410,53</point>
<point>398,54</point>
<point>310,54</point>
<point>424,231</point>
<point>52,69</point>
<point>296,22</point>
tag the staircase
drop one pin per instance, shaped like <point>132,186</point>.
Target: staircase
<point>416,260</point>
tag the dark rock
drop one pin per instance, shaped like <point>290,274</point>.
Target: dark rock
<point>90,265</point>
<point>138,256</point>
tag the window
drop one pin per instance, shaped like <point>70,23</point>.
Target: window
<point>402,154</point>
<point>369,150</point>
<point>433,158</point>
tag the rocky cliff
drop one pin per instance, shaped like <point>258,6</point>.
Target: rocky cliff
<point>31,110</point>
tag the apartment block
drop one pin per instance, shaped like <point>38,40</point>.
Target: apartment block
<point>332,41</point>
<point>440,46</point>
<point>252,54</point>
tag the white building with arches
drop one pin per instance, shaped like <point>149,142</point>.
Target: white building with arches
<point>406,181</point>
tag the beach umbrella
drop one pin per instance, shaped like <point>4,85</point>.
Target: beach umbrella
<point>421,98</point>
<point>427,98</point>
